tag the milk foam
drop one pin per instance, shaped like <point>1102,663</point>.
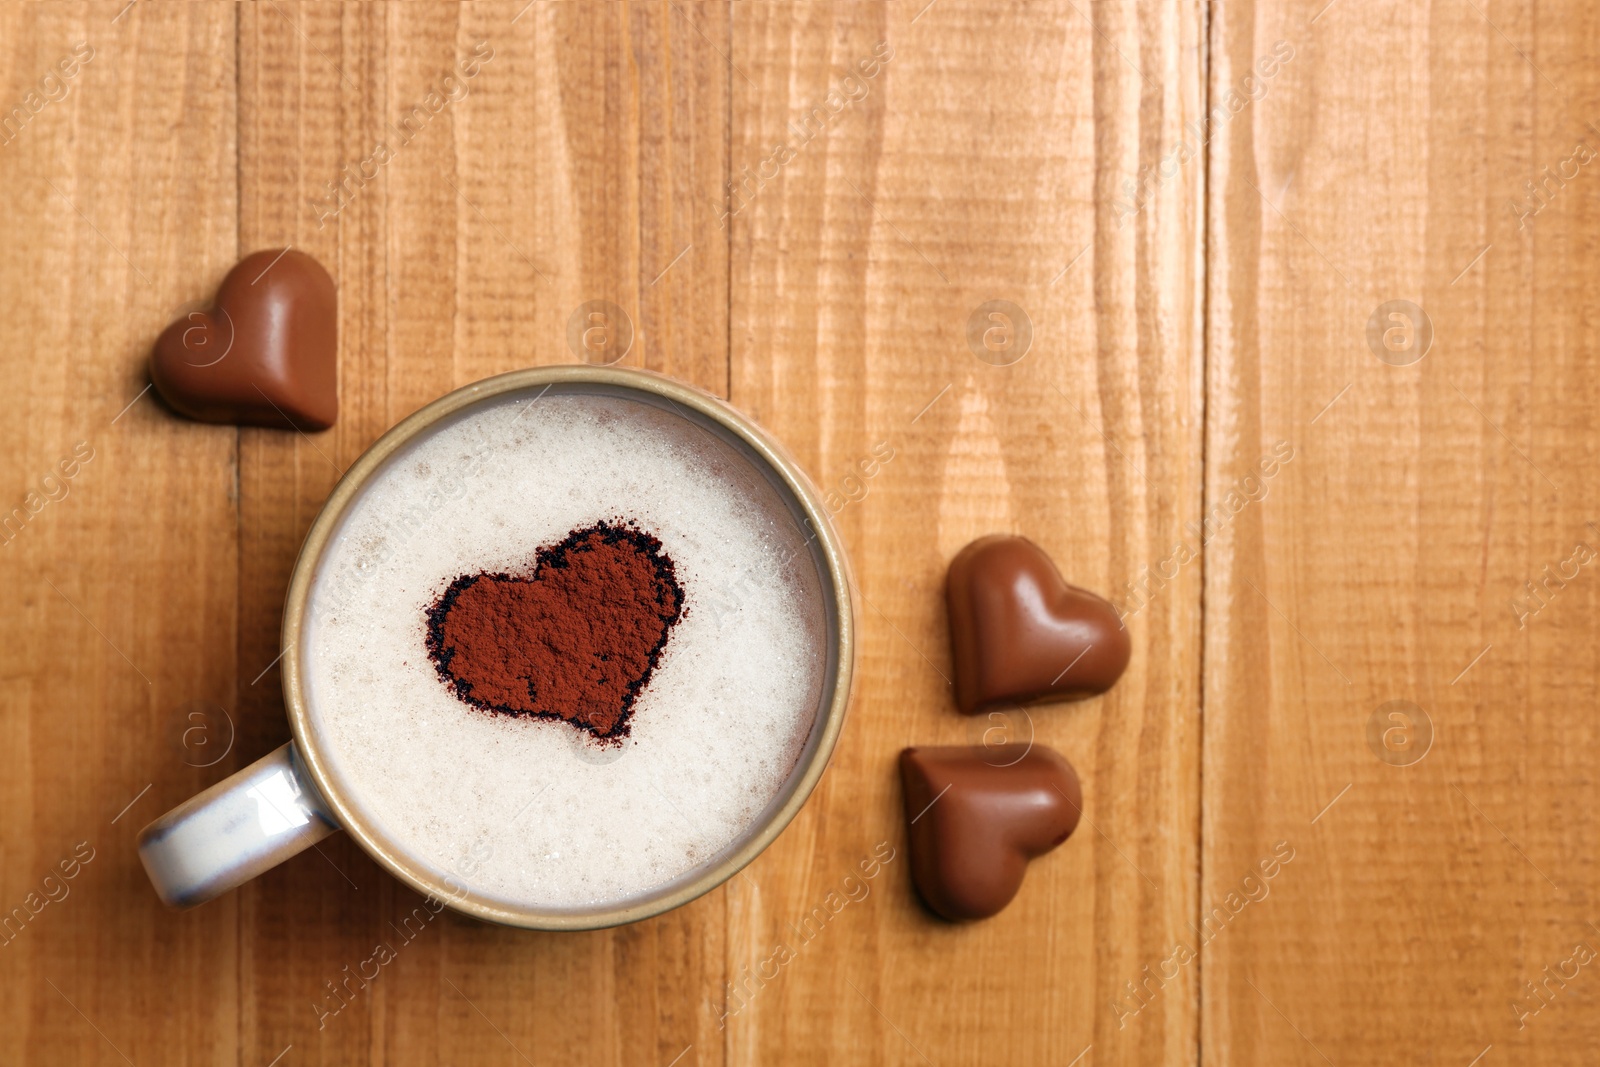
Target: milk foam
<point>531,812</point>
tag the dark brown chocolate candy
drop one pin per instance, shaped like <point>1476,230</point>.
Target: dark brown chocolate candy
<point>1021,634</point>
<point>264,354</point>
<point>976,817</point>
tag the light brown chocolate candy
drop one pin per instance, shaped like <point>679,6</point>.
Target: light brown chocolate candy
<point>264,355</point>
<point>1021,634</point>
<point>976,817</point>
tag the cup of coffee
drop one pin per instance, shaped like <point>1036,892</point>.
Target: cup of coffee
<point>564,649</point>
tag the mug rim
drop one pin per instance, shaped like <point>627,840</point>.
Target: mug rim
<point>810,765</point>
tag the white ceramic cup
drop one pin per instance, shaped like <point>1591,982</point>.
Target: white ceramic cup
<point>294,797</point>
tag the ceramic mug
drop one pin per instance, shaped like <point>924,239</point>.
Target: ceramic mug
<point>295,796</point>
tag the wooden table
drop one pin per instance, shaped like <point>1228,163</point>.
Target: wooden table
<point>1340,807</point>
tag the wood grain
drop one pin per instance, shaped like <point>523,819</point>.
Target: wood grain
<point>972,168</point>
<point>122,589</point>
<point>1198,283</point>
<point>1383,162</point>
<point>555,179</point>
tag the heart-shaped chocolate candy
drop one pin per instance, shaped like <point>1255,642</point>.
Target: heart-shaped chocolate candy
<point>1020,634</point>
<point>264,354</point>
<point>975,818</point>
<point>576,639</point>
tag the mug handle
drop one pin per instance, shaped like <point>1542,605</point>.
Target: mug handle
<point>244,825</point>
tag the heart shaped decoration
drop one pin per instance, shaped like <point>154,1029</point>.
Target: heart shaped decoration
<point>974,824</point>
<point>1020,634</point>
<point>576,639</point>
<point>264,354</point>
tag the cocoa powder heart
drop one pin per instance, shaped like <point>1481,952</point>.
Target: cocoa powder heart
<point>976,817</point>
<point>1020,634</point>
<point>575,639</point>
<point>264,354</point>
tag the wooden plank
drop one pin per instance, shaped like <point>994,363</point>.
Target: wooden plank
<point>121,570</point>
<point>310,104</point>
<point>1386,161</point>
<point>976,156</point>
<point>573,166</point>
